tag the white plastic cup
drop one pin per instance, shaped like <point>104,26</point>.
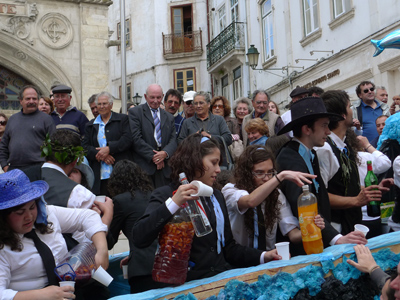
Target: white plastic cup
<point>283,250</point>
<point>101,199</point>
<point>68,283</point>
<point>203,190</point>
<point>125,271</point>
<point>102,276</point>
<point>362,228</point>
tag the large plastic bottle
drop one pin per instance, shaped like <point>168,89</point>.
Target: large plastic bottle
<point>310,233</point>
<point>198,217</point>
<point>373,207</point>
<point>172,257</point>
<point>78,264</point>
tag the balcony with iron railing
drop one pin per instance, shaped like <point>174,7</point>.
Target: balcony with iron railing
<point>231,38</point>
<point>183,44</point>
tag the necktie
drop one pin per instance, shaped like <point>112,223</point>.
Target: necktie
<point>46,255</point>
<point>259,241</point>
<point>157,125</point>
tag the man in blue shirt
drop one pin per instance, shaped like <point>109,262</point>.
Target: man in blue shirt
<point>367,109</point>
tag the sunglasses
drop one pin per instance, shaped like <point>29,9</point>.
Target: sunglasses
<point>367,90</point>
<point>189,102</point>
<point>3,123</point>
<point>218,106</point>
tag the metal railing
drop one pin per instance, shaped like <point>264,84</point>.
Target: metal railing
<point>181,43</point>
<point>232,37</point>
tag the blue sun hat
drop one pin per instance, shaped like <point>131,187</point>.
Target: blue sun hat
<point>16,189</point>
<point>391,130</point>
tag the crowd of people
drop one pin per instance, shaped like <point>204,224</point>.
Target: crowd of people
<point>56,162</point>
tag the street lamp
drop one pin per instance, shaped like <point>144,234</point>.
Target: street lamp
<point>252,56</point>
<point>137,99</point>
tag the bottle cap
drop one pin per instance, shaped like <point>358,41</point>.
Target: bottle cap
<point>182,175</point>
<point>305,188</point>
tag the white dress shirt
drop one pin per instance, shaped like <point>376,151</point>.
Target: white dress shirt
<point>287,221</point>
<point>24,270</point>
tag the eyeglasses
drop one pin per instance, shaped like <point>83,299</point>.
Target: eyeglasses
<point>3,123</point>
<point>215,106</point>
<point>201,103</point>
<point>261,102</point>
<point>367,90</point>
<point>190,102</point>
<point>269,174</point>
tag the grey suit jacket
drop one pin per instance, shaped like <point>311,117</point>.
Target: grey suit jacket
<point>142,128</point>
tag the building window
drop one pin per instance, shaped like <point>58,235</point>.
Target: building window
<point>267,29</point>
<point>224,85</point>
<point>128,92</point>
<point>340,7</point>
<point>235,10</point>
<point>222,18</point>
<point>237,83</point>
<point>310,10</point>
<point>128,33</point>
<point>185,80</point>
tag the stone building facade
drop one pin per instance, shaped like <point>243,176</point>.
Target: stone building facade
<point>48,42</point>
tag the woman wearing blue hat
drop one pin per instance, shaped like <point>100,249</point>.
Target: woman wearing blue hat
<point>31,241</point>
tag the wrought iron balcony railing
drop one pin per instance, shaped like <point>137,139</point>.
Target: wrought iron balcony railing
<point>180,43</point>
<point>232,37</point>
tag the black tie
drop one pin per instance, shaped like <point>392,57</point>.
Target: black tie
<point>46,255</point>
<point>262,240</point>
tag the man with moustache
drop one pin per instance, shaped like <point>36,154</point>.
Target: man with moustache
<point>172,102</point>
<point>25,133</point>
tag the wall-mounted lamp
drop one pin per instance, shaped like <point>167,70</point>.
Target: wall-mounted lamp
<point>137,99</point>
<point>312,52</point>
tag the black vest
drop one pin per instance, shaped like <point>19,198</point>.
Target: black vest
<point>350,216</point>
<point>60,187</point>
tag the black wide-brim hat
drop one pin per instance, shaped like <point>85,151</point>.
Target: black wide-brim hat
<point>307,109</point>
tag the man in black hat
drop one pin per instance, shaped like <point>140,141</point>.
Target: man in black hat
<point>66,116</point>
<point>309,123</point>
<point>297,94</point>
<point>339,167</point>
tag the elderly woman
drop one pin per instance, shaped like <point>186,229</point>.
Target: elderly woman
<point>241,108</point>
<point>257,131</point>
<point>209,125</point>
<point>31,241</point>
<point>220,106</point>
<point>107,140</point>
<point>46,105</point>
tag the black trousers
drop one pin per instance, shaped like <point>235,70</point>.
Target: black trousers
<point>375,227</point>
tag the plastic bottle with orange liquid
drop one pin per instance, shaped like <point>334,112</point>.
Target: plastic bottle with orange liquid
<point>310,233</point>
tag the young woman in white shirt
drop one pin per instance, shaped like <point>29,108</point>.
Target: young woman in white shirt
<point>255,185</point>
<point>22,210</point>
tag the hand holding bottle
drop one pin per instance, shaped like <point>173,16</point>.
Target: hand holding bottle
<point>183,194</point>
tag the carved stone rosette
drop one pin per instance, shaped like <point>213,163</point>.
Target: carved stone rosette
<point>20,25</point>
<point>55,30</point>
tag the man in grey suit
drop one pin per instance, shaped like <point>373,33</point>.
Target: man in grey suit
<point>154,136</point>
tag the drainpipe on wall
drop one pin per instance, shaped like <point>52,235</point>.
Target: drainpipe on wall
<point>208,41</point>
<point>246,42</point>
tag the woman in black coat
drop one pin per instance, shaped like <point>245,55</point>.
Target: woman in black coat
<point>107,140</point>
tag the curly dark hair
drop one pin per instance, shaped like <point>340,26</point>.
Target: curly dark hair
<point>243,179</point>
<point>354,145</point>
<point>127,176</point>
<point>10,238</point>
<point>188,157</point>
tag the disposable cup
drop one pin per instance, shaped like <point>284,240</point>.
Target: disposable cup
<point>362,228</point>
<point>102,276</point>
<point>202,189</point>
<point>101,198</point>
<point>68,283</point>
<point>283,250</point>
<point>125,271</point>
